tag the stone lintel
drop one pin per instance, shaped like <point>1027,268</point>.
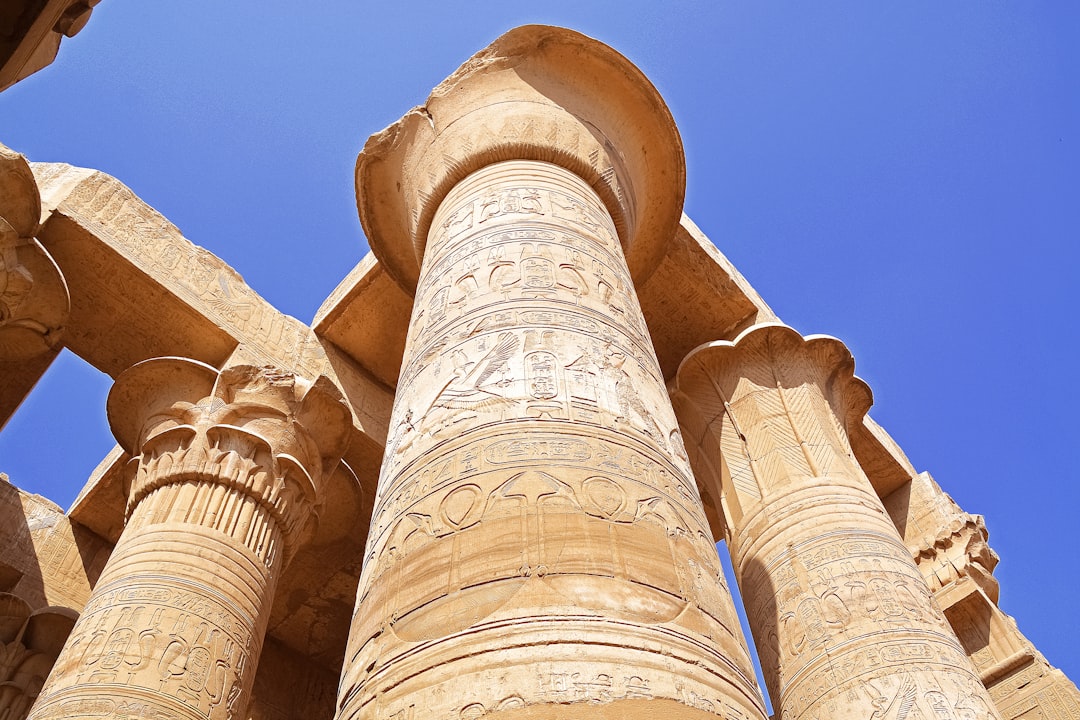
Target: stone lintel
<point>880,457</point>
<point>367,318</point>
<point>951,551</point>
<point>142,290</point>
<point>46,558</point>
<point>947,543</point>
<point>17,379</point>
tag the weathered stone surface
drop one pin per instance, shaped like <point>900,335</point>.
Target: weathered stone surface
<point>226,466</point>
<point>951,550</point>
<point>46,559</point>
<point>29,643</point>
<point>32,31</point>
<point>843,621</point>
<point>34,301</point>
<point>143,290</point>
<point>537,545</point>
<point>534,490</point>
<point>47,567</point>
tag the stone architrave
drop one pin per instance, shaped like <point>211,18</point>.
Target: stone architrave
<point>844,622</point>
<point>538,545</point>
<point>225,486</point>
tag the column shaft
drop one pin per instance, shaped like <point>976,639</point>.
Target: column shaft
<point>844,623</point>
<point>178,614</point>
<point>538,543</point>
<point>224,486</point>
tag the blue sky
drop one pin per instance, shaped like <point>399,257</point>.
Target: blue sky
<point>902,175</point>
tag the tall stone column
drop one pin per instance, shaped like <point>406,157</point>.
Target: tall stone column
<point>538,546</point>
<point>226,477</point>
<point>844,622</point>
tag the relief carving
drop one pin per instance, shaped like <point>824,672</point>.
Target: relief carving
<point>227,464</point>
<point>535,477</point>
<point>29,644</point>
<point>844,622</point>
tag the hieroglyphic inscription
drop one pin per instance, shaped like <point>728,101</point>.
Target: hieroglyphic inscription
<point>111,211</point>
<point>535,477</point>
<point>223,467</point>
<point>844,622</point>
<point>196,649</point>
<point>848,607</point>
<point>176,647</point>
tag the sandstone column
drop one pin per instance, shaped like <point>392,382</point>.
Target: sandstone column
<point>538,546</point>
<point>34,301</point>
<point>844,622</point>
<point>226,476</point>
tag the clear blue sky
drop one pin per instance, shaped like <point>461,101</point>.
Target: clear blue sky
<point>902,175</point>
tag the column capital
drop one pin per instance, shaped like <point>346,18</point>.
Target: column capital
<point>827,581</point>
<point>34,300</point>
<point>536,93</point>
<point>772,355</point>
<point>262,432</point>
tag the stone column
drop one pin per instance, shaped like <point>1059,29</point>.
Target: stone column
<point>34,300</point>
<point>538,546</point>
<point>844,623</point>
<point>226,477</point>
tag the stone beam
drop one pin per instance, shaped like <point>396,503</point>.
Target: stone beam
<point>142,290</point>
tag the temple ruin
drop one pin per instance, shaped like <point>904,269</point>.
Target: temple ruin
<point>489,478</point>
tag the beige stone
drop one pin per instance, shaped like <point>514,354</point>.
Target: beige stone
<point>33,31</point>
<point>228,466</point>
<point>534,491</point>
<point>951,550</point>
<point>843,621</point>
<point>495,378</point>
<point>47,567</point>
<point>34,300</point>
<point>29,643</point>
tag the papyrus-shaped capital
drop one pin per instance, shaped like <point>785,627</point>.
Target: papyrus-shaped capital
<point>536,93</point>
<point>263,432</point>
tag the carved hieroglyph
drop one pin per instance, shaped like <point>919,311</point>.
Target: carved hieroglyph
<point>844,622</point>
<point>29,643</point>
<point>535,493</point>
<point>951,551</point>
<point>225,484</point>
<point>538,545</point>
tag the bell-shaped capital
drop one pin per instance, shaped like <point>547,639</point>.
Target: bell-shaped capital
<point>536,93</point>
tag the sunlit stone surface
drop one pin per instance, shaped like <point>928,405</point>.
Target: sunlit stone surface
<point>487,478</point>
